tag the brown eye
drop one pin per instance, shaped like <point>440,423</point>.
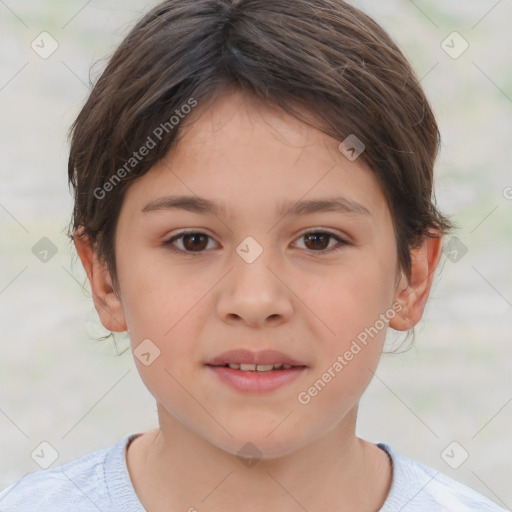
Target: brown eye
<point>319,241</point>
<point>190,242</point>
<point>195,241</point>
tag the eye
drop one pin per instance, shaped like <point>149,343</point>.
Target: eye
<point>196,242</point>
<point>318,241</point>
<point>190,241</point>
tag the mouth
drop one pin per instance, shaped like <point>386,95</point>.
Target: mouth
<point>250,367</point>
<point>248,371</point>
<point>256,378</point>
<point>255,361</point>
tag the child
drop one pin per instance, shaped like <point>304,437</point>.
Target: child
<point>293,140</point>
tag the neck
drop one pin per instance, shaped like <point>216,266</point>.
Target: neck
<point>172,468</point>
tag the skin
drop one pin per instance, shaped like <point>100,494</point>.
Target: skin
<point>299,297</point>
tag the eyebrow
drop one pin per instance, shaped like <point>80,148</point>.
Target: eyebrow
<point>198,204</point>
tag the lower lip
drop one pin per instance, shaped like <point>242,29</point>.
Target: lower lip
<point>256,382</point>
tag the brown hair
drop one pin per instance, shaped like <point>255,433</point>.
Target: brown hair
<point>324,57</point>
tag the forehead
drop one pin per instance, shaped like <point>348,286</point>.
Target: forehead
<point>242,153</point>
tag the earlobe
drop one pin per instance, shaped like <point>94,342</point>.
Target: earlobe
<point>106,301</point>
<point>412,293</point>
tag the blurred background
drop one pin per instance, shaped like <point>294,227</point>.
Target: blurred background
<point>446,402</point>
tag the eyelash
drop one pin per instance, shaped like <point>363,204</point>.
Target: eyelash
<point>179,236</point>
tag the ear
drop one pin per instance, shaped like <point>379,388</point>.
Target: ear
<point>107,303</point>
<point>412,293</point>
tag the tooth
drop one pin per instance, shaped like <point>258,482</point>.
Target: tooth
<point>264,367</point>
<point>235,366</point>
<point>286,366</point>
<point>245,367</point>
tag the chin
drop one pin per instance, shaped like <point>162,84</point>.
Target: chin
<point>255,443</point>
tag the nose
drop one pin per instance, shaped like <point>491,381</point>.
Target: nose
<point>255,294</point>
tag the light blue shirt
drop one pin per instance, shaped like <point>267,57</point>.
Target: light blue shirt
<point>100,482</point>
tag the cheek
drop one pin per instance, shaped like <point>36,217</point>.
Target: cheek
<point>167,306</point>
<point>157,296</point>
<point>351,296</point>
<point>354,305</point>
<point>351,304</point>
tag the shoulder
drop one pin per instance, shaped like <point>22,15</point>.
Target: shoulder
<point>78,485</point>
<point>417,487</point>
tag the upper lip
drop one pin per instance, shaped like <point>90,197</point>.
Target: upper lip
<point>244,356</point>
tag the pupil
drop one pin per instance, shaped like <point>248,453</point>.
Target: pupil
<point>193,245</point>
<point>319,236</point>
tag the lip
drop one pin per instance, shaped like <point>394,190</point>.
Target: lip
<point>255,381</point>
<point>253,357</point>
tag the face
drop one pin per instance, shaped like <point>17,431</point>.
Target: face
<point>248,275</point>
